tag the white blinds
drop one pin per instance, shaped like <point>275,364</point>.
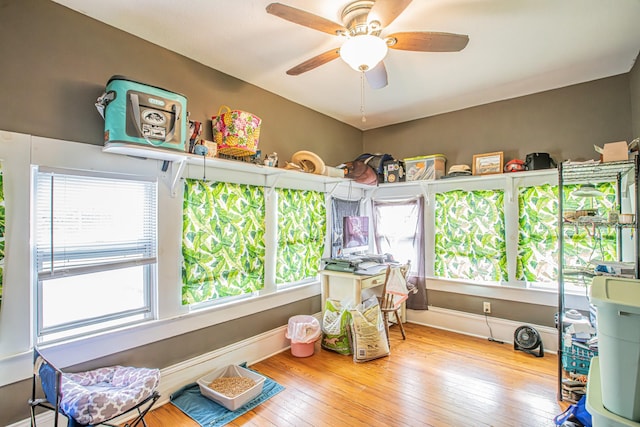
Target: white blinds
<point>88,222</point>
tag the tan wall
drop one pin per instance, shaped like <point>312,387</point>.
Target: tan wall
<point>502,309</point>
<point>566,123</point>
<point>635,99</point>
<point>55,63</point>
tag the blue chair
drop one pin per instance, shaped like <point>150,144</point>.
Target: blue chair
<point>93,397</point>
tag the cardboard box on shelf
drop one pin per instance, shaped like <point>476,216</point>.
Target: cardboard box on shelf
<point>615,151</point>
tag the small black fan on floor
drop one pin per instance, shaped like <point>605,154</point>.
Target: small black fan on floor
<point>527,339</point>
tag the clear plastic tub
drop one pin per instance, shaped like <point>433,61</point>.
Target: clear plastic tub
<point>425,168</point>
<point>618,304</point>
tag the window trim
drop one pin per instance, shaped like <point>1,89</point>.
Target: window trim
<point>508,182</point>
<point>322,241</point>
<point>496,235</point>
<point>114,319</point>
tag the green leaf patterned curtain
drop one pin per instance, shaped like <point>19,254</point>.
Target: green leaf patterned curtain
<point>583,243</point>
<point>223,240</point>
<point>2,225</point>
<point>470,235</point>
<point>301,234</point>
<point>537,259</point>
<point>538,231</point>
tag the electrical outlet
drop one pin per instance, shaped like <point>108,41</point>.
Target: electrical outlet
<point>486,307</point>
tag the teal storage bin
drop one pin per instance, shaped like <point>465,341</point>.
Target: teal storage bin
<point>577,358</point>
<point>618,304</point>
<point>144,115</point>
<point>600,417</point>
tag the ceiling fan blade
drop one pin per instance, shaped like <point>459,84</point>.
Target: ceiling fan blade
<point>386,11</point>
<point>377,76</point>
<point>429,41</point>
<point>314,62</point>
<point>305,19</point>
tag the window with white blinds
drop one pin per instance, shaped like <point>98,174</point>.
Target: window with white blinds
<point>95,250</point>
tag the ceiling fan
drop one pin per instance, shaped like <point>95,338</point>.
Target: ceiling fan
<point>364,47</point>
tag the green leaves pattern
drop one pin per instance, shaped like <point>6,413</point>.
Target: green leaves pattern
<point>301,234</point>
<point>223,244</point>
<point>224,249</point>
<point>470,238</point>
<point>223,240</point>
<point>583,243</point>
<point>537,259</point>
<point>538,243</point>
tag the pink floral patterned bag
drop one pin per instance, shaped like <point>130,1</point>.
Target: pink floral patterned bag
<point>236,132</point>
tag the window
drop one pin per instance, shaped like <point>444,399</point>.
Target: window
<point>95,251</point>
<point>339,209</point>
<point>470,235</point>
<point>398,230</point>
<point>223,245</point>
<point>586,242</point>
<point>301,234</point>
<point>537,261</point>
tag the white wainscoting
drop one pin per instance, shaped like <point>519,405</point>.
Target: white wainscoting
<point>174,377</point>
<point>476,325</point>
<point>265,345</point>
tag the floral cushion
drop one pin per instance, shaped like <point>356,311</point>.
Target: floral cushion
<point>95,396</point>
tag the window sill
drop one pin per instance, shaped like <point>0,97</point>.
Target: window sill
<point>100,345</point>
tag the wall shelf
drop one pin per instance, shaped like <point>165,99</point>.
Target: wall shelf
<point>143,151</point>
<point>273,175</point>
<point>180,159</point>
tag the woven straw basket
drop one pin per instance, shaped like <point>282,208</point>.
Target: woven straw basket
<point>236,132</point>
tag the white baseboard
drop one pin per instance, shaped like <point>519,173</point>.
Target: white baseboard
<point>476,325</point>
<point>263,346</point>
<point>174,377</point>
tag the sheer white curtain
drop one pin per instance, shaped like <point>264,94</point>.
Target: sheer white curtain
<point>398,227</point>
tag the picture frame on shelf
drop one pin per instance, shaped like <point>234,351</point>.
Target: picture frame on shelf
<point>488,163</point>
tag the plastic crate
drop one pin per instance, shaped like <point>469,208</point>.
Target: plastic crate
<point>577,358</point>
<point>425,168</point>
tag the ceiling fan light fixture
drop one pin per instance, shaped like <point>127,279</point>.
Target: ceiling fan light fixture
<point>363,52</point>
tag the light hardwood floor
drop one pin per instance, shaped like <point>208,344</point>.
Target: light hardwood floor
<point>434,378</point>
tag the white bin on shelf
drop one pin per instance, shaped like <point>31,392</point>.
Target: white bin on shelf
<point>618,304</point>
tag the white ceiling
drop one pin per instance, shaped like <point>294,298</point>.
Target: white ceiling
<point>516,47</point>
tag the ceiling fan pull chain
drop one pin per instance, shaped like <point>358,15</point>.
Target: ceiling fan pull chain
<point>364,119</point>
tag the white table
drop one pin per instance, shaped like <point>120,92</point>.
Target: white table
<point>348,286</point>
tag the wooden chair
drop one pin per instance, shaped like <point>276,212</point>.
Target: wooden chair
<point>394,294</point>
